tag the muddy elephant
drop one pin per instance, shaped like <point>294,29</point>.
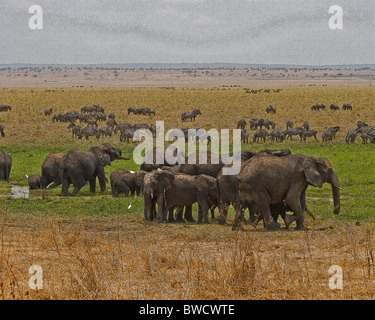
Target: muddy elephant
<point>50,170</point>
<point>34,181</point>
<point>265,180</point>
<point>5,165</point>
<point>77,167</point>
<point>126,182</point>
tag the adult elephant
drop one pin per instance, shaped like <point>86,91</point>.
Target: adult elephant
<point>50,170</point>
<point>5,165</point>
<point>78,167</point>
<point>227,185</point>
<point>265,180</point>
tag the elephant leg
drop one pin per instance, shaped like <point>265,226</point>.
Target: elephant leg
<point>102,179</point>
<point>160,213</point>
<point>147,209</point>
<point>238,219</point>
<point>203,212</point>
<point>179,214</point>
<point>170,215</point>
<point>254,216</point>
<point>212,211</point>
<point>78,185</point>
<point>188,215</point>
<point>295,205</point>
<point>223,213</point>
<point>65,183</point>
<point>92,183</point>
<point>115,192</point>
<point>268,220</point>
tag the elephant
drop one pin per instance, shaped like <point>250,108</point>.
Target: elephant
<point>227,186</point>
<point>123,181</point>
<point>78,167</point>
<point>50,170</point>
<point>265,180</point>
<point>34,181</point>
<point>5,165</point>
<point>176,190</point>
<point>156,183</point>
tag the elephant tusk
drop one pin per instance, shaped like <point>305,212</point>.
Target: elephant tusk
<point>338,187</point>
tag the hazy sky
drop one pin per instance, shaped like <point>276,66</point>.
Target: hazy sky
<point>197,31</point>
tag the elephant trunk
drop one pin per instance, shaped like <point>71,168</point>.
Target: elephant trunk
<point>336,193</point>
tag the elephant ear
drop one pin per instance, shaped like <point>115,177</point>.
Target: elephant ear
<point>312,173</point>
<point>104,159</point>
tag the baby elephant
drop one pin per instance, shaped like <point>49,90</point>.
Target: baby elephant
<point>35,181</point>
<point>123,181</point>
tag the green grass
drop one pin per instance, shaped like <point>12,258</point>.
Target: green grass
<point>353,165</point>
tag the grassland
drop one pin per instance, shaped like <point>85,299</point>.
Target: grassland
<point>96,247</point>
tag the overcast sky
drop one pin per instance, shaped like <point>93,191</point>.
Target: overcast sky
<point>196,31</point>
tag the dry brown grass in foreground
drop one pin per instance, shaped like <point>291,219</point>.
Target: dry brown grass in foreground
<point>114,258</point>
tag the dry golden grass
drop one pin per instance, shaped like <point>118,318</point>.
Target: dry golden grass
<point>114,258</point>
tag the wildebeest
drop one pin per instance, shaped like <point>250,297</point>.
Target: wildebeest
<point>190,115</point>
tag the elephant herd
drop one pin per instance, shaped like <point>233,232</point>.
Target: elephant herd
<point>269,184</point>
